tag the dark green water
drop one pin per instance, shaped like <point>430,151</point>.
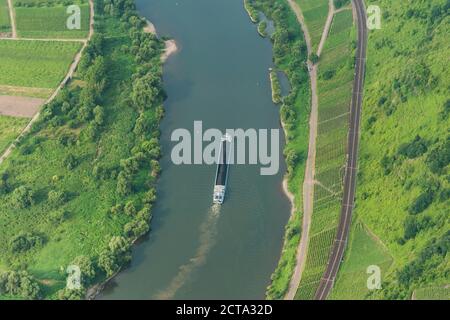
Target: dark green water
<point>219,76</point>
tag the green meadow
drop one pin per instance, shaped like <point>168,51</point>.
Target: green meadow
<point>40,64</point>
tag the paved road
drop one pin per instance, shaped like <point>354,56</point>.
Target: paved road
<point>327,282</point>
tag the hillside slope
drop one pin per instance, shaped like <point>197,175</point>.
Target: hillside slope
<point>403,184</point>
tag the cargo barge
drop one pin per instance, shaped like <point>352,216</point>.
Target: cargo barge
<point>223,163</point>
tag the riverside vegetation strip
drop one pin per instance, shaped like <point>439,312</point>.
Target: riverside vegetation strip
<point>80,186</point>
<point>290,54</point>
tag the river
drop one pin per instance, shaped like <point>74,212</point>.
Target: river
<point>219,76</point>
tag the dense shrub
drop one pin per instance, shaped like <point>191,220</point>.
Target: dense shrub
<point>430,257</point>
<point>413,149</point>
<point>439,157</point>
<point>57,198</point>
<point>421,203</point>
<point>19,284</point>
<point>87,268</point>
<point>115,255</point>
<point>22,197</point>
<point>24,242</point>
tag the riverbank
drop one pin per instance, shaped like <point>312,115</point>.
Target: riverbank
<point>170,45</point>
<point>291,59</point>
<point>252,12</point>
<point>170,48</point>
<point>276,87</point>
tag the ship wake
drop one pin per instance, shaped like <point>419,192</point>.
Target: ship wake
<point>208,232</point>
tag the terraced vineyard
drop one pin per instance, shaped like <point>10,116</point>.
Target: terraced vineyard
<point>50,21</point>
<point>315,13</point>
<point>5,25</point>
<point>39,64</point>
<point>334,86</point>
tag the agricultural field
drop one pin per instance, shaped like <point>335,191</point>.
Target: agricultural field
<point>39,64</point>
<point>403,181</point>
<point>334,89</point>
<point>10,127</point>
<point>5,25</point>
<point>49,21</point>
<point>364,250</point>
<point>315,13</point>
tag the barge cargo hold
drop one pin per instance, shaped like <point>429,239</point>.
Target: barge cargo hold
<point>223,162</point>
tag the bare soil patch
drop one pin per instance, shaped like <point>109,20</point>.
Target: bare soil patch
<point>23,107</point>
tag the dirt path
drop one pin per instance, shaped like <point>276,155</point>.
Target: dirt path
<point>308,184</point>
<point>12,18</point>
<point>326,29</point>
<point>68,76</point>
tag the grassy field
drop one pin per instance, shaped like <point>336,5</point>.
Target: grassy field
<point>40,64</point>
<point>315,13</point>
<point>5,25</point>
<point>10,128</point>
<point>334,87</point>
<point>363,251</point>
<point>403,183</point>
<point>50,22</point>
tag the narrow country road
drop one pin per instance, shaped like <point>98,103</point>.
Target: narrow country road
<point>68,76</point>
<point>12,18</point>
<point>337,254</point>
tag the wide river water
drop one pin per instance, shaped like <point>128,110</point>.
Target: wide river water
<point>219,76</point>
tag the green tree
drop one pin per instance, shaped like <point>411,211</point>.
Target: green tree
<point>22,197</point>
<point>130,209</point>
<point>123,184</point>
<point>19,284</point>
<point>87,269</point>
